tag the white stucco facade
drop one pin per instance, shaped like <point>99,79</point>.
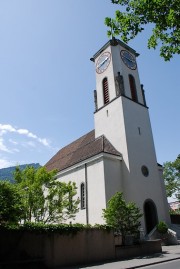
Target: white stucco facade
<point>101,176</point>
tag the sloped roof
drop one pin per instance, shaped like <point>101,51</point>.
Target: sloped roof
<point>79,150</point>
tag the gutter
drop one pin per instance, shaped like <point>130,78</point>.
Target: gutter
<point>86,190</point>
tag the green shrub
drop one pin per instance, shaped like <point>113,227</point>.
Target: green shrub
<point>162,227</point>
<point>41,228</point>
<point>123,217</point>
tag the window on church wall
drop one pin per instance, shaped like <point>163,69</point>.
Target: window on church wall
<point>133,88</point>
<point>105,90</point>
<point>83,196</point>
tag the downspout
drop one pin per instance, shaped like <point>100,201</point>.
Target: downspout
<point>86,191</point>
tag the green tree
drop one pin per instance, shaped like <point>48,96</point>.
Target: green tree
<point>11,205</point>
<point>45,199</point>
<point>121,216</point>
<point>60,202</point>
<point>162,15</point>
<point>171,174</point>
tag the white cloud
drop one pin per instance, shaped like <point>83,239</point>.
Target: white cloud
<point>7,128</point>
<point>4,128</point>
<point>22,131</point>
<point>2,132</point>
<point>3,146</point>
<point>31,144</point>
<point>44,141</point>
<point>32,135</point>
<point>20,143</point>
<point>13,142</point>
<point>4,163</point>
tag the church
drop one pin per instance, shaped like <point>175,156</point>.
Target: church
<point>119,154</point>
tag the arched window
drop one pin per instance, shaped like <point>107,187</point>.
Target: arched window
<point>133,88</point>
<point>105,91</point>
<point>83,196</point>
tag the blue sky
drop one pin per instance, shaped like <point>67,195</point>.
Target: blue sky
<point>47,79</point>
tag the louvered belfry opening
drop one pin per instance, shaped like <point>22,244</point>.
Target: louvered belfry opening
<point>105,91</point>
<point>133,88</point>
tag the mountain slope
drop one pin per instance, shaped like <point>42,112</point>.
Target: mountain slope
<point>7,173</point>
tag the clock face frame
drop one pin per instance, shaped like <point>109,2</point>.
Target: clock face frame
<point>103,62</point>
<point>128,59</point>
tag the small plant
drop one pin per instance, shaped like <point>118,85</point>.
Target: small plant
<point>162,227</point>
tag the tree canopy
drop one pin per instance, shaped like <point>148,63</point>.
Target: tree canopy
<point>163,15</point>
<point>11,205</point>
<point>123,217</point>
<point>36,196</point>
<point>171,174</point>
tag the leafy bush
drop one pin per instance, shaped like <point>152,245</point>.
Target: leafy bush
<point>121,216</point>
<point>162,227</point>
<point>11,206</point>
<point>42,228</point>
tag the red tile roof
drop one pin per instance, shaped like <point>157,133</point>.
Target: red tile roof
<point>81,149</point>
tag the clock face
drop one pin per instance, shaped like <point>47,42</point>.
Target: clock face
<point>103,62</point>
<point>128,59</point>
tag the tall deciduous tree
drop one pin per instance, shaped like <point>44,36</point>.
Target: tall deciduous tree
<point>11,206</point>
<point>44,198</point>
<point>123,217</point>
<point>171,174</point>
<point>163,15</point>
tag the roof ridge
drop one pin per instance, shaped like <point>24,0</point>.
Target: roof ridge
<point>107,140</point>
<point>104,138</point>
<point>81,145</point>
<point>86,147</point>
<point>79,148</point>
<point>73,142</point>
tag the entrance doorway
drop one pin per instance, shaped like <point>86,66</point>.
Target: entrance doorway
<point>150,214</point>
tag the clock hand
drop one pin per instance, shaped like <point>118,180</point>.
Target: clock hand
<point>127,58</point>
<point>102,62</point>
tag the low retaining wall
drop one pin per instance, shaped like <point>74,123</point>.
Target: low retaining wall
<point>145,248</point>
<point>21,245</point>
<point>91,245</point>
<point>84,247</point>
<point>87,246</point>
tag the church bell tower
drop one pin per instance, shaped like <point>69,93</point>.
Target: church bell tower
<point>121,115</point>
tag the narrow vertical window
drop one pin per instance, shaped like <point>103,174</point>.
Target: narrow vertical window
<point>133,88</point>
<point>105,91</point>
<point>83,197</point>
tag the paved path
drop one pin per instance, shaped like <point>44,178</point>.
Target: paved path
<point>168,253</point>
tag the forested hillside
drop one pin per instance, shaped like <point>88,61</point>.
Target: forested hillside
<point>7,173</point>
